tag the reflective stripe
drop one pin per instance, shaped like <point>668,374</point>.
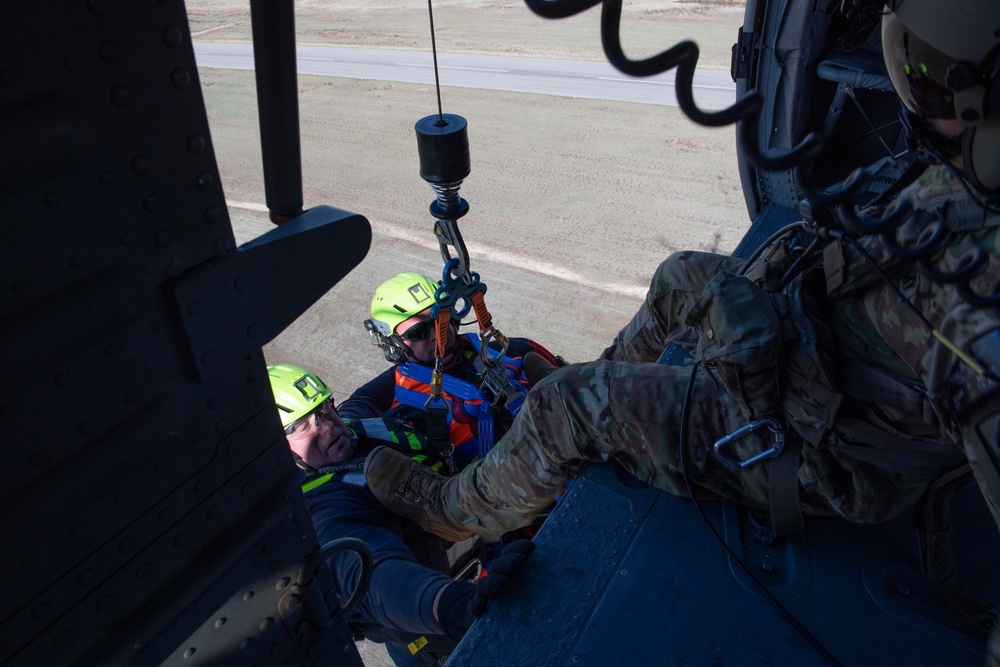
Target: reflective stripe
<point>414,441</point>
<point>376,429</point>
<point>311,483</point>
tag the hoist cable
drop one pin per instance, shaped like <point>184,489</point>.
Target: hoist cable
<point>437,80</point>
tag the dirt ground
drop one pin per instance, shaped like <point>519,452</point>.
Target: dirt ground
<point>573,202</point>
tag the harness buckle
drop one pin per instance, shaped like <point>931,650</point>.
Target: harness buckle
<point>438,434</point>
<point>500,384</point>
<point>437,410</point>
<point>773,451</point>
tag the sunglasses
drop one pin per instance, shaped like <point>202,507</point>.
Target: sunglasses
<point>418,332</point>
<point>325,410</point>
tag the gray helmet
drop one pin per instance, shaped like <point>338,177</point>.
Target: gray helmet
<point>944,62</point>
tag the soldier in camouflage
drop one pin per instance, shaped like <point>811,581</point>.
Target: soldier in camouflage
<point>876,361</point>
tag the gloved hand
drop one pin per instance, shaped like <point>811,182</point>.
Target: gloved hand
<point>462,602</point>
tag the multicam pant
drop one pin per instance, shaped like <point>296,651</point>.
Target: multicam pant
<point>624,407</point>
<point>627,408</point>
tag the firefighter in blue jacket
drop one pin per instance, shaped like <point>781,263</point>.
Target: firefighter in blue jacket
<point>402,327</point>
<point>418,612</point>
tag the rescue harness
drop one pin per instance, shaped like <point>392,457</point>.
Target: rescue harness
<point>466,402</point>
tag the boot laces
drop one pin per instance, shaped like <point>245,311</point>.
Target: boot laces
<point>421,486</point>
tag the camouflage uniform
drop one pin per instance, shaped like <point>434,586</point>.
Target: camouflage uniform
<point>766,351</point>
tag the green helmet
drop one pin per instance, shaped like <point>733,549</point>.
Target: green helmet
<point>400,298</point>
<point>297,392</point>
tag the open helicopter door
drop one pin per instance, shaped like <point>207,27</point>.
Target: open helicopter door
<point>149,506</point>
<point>624,574</point>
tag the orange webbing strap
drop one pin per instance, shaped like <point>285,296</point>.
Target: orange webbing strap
<point>443,318</point>
<point>482,314</point>
<point>487,331</point>
<point>440,345</point>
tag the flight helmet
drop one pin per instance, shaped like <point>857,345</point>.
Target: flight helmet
<point>944,62</point>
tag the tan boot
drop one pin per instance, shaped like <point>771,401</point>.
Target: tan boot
<point>449,507</point>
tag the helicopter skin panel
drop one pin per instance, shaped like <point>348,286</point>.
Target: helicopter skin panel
<point>150,506</point>
<point>624,574</point>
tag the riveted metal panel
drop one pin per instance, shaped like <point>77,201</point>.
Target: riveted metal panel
<point>149,514</point>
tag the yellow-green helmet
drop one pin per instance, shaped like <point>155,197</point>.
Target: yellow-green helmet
<point>297,391</point>
<point>400,298</point>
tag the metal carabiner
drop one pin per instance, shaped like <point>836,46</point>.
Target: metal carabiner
<point>448,235</point>
<point>490,357</point>
<point>742,432</point>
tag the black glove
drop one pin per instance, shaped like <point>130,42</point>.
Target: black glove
<point>461,602</point>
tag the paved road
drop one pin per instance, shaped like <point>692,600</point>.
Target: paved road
<point>596,80</point>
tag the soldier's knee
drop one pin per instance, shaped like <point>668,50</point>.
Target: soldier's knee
<point>687,270</point>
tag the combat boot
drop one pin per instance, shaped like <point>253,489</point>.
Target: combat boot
<point>452,508</point>
<point>537,368</point>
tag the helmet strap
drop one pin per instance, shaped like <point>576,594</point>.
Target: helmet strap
<point>985,188</point>
<point>300,462</point>
<point>931,147</point>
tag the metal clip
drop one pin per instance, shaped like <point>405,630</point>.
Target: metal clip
<point>740,433</point>
<point>500,384</point>
<point>448,235</point>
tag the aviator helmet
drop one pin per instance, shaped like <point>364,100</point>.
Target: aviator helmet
<point>297,392</point>
<point>944,62</point>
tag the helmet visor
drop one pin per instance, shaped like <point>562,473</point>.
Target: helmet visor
<point>917,70</point>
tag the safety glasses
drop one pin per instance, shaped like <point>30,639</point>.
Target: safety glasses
<point>418,332</point>
<point>325,410</point>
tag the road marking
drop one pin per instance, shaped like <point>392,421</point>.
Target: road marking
<point>218,27</point>
<point>482,252</point>
<point>664,83</point>
<point>250,206</point>
<point>470,69</point>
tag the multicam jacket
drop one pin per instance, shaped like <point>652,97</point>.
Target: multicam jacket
<point>903,386</point>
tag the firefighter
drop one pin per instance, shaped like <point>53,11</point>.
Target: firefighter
<point>402,327</point>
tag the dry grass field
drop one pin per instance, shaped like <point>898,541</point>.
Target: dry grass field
<point>573,202</point>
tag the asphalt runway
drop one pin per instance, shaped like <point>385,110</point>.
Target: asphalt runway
<point>713,89</point>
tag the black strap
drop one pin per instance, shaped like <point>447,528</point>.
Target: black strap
<point>896,453</point>
<point>873,386</point>
<point>932,521</point>
<point>438,434</point>
<point>785,508</point>
<point>912,173</point>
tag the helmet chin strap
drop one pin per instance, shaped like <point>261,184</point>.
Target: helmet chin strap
<point>931,147</point>
<point>935,148</point>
